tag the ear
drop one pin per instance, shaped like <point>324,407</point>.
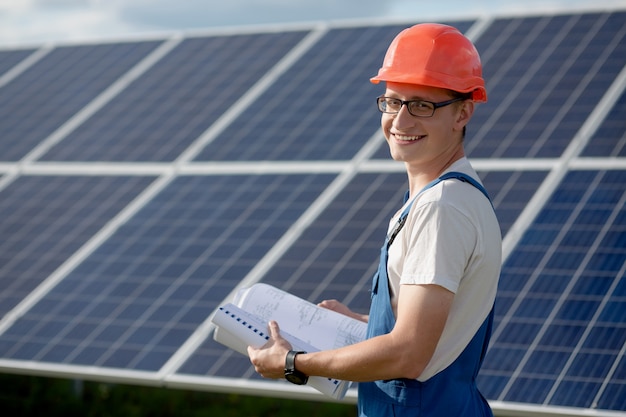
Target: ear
<point>464,114</point>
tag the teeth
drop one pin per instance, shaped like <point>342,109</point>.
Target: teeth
<point>408,138</point>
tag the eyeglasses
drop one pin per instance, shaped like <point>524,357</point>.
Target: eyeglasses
<point>419,108</point>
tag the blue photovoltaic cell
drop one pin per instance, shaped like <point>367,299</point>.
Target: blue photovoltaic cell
<point>142,293</point>
<point>323,108</point>
<point>9,59</point>
<point>47,94</point>
<point>162,113</point>
<point>610,138</point>
<point>338,254</point>
<point>544,76</point>
<point>560,294</point>
<point>45,219</point>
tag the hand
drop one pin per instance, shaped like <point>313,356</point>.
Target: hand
<point>341,308</point>
<point>269,359</point>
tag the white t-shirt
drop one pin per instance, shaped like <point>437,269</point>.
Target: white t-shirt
<point>451,238</point>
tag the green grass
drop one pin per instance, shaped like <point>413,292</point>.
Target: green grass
<point>51,397</point>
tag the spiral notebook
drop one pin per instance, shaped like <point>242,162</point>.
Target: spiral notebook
<point>306,326</point>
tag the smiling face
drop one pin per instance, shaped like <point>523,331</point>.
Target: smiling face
<point>426,144</point>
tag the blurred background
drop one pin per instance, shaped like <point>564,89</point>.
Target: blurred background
<point>24,21</point>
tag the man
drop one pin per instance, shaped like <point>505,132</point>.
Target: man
<point>432,298</point>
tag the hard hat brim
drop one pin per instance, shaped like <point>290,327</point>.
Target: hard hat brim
<point>479,93</point>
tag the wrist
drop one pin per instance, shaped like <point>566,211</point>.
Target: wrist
<point>291,373</point>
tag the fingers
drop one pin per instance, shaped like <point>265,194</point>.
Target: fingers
<point>335,305</point>
<point>339,307</point>
<point>269,359</point>
<point>251,352</point>
<point>274,329</point>
<point>329,304</point>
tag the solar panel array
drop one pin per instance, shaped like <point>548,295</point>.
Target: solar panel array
<point>144,181</point>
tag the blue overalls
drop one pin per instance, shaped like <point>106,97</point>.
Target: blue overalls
<point>450,393</point>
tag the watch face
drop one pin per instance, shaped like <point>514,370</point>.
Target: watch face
<point>296,378</point>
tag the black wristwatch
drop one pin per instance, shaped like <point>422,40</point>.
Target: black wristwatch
<point>291,373</point>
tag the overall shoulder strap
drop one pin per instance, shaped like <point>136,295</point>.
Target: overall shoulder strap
<point>465,178</point>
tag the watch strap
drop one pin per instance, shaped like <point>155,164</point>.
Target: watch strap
<point>291,373</point>
<point>290,360</point>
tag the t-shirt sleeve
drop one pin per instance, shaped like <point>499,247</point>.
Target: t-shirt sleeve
<point>439,243</point>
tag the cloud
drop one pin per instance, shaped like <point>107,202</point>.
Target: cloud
<point>208,13</point>
<point>32,24</point>
<point>41,21</point>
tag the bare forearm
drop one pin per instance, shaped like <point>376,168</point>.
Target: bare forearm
<point>373,359</point>
<point>402,353</point>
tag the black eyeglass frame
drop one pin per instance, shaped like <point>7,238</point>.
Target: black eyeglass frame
<point>380,100</point>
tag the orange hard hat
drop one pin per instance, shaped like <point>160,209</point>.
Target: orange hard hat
<point>434,55</point>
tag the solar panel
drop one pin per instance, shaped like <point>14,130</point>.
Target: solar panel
<point>552,72</point>
<point>159,115</point>
<point>38,238</point>
<point>56,87</point>
<point>142,292</point>
<point>145,181</point>
<point>561,289</point>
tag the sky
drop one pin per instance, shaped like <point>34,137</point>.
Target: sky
<point>37,22</point>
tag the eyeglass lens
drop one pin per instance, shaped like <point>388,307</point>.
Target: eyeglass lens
<point>415,107</point>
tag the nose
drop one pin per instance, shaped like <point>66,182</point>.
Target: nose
<point>403,119</point>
